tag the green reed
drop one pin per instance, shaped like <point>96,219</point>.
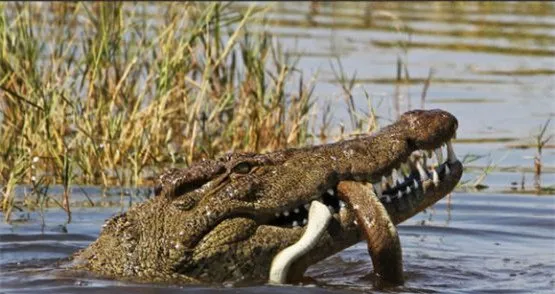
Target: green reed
<point>113,93</point>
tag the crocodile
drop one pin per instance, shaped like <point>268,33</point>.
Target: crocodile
<point>225,220</point>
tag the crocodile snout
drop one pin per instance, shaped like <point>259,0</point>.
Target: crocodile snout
<point>426,129</point>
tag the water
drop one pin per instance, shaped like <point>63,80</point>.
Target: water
<point>467,243</point>
<point>494,68</point>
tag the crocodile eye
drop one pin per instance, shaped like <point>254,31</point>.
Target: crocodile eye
<point>242,168</point>
<point>185,203</point>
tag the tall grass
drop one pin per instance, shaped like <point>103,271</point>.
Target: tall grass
<point>111,93</point>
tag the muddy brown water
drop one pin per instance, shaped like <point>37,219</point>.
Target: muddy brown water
<point>493,67</point>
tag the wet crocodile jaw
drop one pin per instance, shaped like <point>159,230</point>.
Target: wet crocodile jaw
<point>404,192</point>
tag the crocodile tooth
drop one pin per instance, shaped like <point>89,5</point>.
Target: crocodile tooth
<point>434,160</point>
<point>330,191</point>
<point>421,171</point>
<point>277,214</point>
<point>415,182</point>
<point>286,213</point>
<point>435,177</point>
<point>399,194</point>
<point>447,170</point>
<point>451,157</point>
<point>401,177</point>
<point>387,199</point>
<point>305,221</point>
<point>296,210</point>
<point>307,206</point>
<point>394,178</point>
<point>390,181</point>
<point>341,203</point>
<point>439,155</point>
<point>295,224</point>
<point>405,167</point>
<point>331,208</point>
<point>378,189</point>
<point>384,182</point>
<point>408,190</point>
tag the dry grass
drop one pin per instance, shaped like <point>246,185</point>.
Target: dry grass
<point>111,93</point>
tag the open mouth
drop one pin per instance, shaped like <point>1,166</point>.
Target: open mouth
<point>424,178</point>
<point>411,178</point>
<point>298,217</point>
<point>423,170</point>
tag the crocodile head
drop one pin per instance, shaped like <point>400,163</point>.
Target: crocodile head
<point>226,219</point>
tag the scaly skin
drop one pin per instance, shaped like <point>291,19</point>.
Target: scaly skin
<point>216,221</point>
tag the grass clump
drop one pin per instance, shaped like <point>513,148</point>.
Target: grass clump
<point>112,93</point>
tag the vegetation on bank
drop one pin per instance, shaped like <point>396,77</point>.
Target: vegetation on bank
<point>112,93</point>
